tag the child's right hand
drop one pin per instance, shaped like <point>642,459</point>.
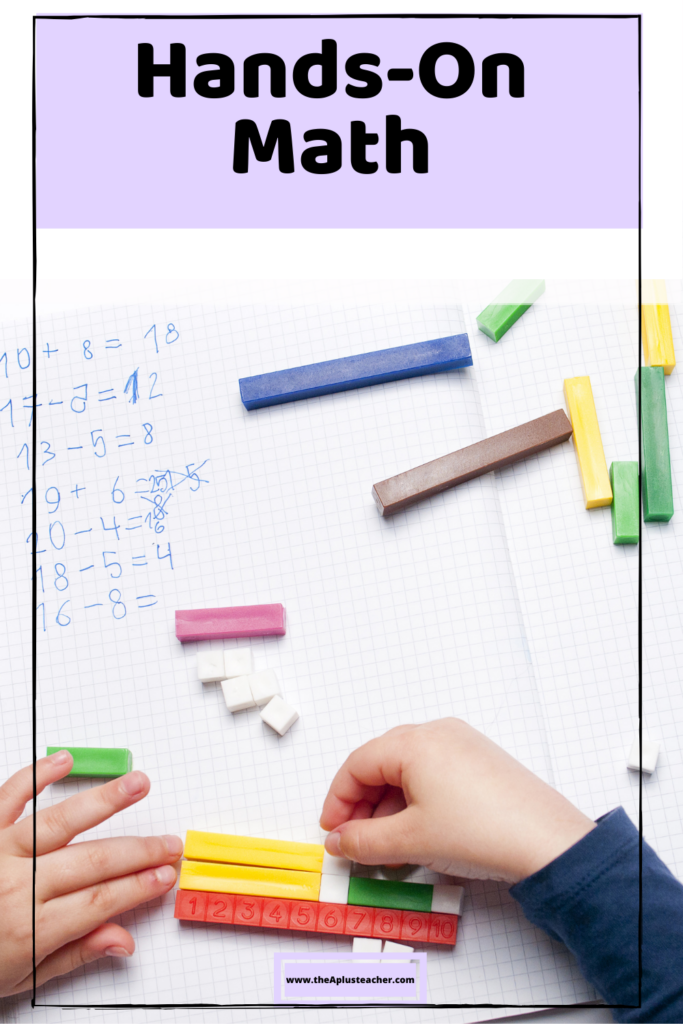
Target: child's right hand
<point>445,796</point>
<point>78,886</point>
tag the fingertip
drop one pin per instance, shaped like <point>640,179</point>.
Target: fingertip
<point>60,757</point>
<point>333,844</point>
<point>58,764</point>
<point>174,845</point>
<point>165,875</point>
<point>135,785</point>
<point>111,940</point>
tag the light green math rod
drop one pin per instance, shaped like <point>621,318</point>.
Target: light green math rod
<point>625,503</point>
<point>506,308</point>
<point>97,762</point>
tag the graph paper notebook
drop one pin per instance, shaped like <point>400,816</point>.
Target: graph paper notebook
<point>503,602</point>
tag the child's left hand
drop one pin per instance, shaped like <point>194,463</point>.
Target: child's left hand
<point>78,887</point>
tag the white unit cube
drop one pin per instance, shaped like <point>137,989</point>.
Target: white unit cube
<point>237,693</point>
<point>447,899</point>
<point>396,947</point>
<point>211,666</point>
<point>238,663</point>
<point>650,755</point>
<point>264,686</point>
<point>336,865</point>
<point>334,889</point>
<point>363,945</point>
<point>279,715</point>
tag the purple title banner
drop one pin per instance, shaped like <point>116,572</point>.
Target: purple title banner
<point>337,122</point>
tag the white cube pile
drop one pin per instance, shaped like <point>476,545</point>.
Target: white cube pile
<point>243,688</point>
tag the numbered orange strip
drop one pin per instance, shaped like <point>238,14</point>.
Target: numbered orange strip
<point>303,915</point>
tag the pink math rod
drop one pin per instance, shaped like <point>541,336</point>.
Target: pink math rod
<point>228,623</point>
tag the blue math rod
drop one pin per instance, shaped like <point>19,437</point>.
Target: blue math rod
<point>359,371</point>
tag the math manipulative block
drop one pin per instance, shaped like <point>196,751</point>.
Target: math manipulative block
<point>506,308</point>
<point>325,918</point>
<point>97,762</point>
<point>396,947</point>
<point>588,442</point>
<point>376,892</point>
<point>238,662</point>
<point>265,853</point>
<point>443,928</point>
<point>334,889</point>
<point>237,694</point>
<point>361,945</point>
<point>276,913</point>
<point>220,908</point>
<point>331,918</point>
<point>211,666</point>
<point>447,899</point>
<point>279,715</point>
<point>229,623</point>
<point>359,921</point>
<point>658,501</point>
<point>414,926</point>
<point>650,756</point>
<point>387,923</point>
<point>623,477</point>
<point>336,865</point>
<point>658,344</point>
<point>249,910</point>
<point>401,491</point>
<point>191,906</point>
<point>303,916</point>
<point>242,880</point>
<point>264,686</point>
<point>334,375</point>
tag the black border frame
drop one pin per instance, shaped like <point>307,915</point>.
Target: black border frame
<point>34,611</point>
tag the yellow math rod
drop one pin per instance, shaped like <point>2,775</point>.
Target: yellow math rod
<point>597,490</point>
<point>250,881</point>
<point>266,853</point>
<point>658,343</point>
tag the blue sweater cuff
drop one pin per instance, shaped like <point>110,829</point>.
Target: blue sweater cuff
<point>549,894</point>
<point>589,899</point>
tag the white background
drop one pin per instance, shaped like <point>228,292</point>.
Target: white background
<point>104,266</point>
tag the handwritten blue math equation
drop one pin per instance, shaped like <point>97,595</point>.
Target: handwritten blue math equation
<point>105,503</point>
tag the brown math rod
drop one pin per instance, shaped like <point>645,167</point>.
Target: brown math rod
<point>398,492</point>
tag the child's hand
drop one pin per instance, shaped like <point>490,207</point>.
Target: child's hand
<point>77,887</point>
<point>445,796</point>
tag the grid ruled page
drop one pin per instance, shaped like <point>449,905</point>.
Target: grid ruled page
<point>502,601</point>
<point>578,591</point>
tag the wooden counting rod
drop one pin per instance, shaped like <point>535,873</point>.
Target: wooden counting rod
<point>398,492</point>
<point>308,916</point>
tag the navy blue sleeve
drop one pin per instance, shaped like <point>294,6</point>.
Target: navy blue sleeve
<point>588,898</point>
